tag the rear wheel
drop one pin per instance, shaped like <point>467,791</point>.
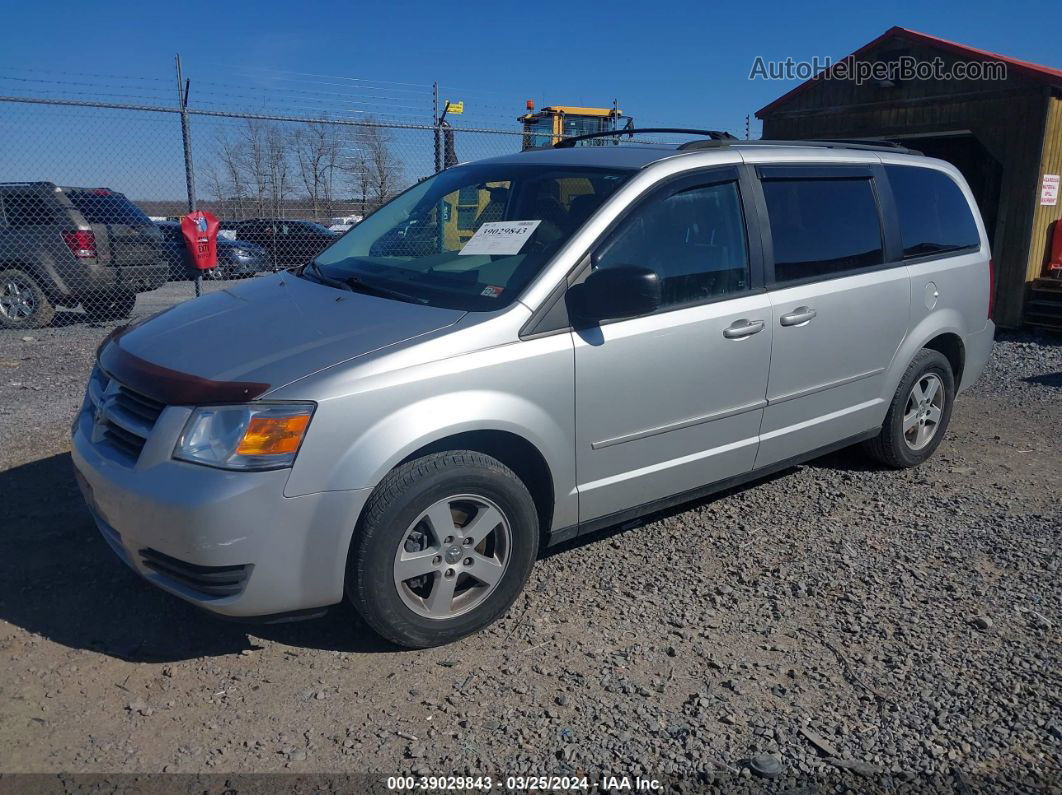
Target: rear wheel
<point>446,544</point>
<point>110,305</point>
<point>919,413</point>
<point>23,303</point>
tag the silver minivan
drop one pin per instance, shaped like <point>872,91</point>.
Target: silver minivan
<point>521,350</point>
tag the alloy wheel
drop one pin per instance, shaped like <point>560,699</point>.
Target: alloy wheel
<point>923,412</point>
<point>17,301</point>
<point>453,556</point>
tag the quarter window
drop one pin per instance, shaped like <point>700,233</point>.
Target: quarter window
<point>694,240</point>
<point>934,214</point>
<point>822,227</point>
<point>26,209</point>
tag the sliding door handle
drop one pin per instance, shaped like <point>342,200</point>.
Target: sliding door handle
<point>799,316</point>
<point>740,329</point>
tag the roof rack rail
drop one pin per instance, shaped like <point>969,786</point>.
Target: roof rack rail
<point>714,135</point>
<point>859,142</point>
<point>825,143</point>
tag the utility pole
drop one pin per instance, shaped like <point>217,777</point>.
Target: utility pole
<point>189,171</point>
<point>746,126</point>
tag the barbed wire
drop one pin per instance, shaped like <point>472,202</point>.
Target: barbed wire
<point>239,114</point>
<point>84,74</point>
<point>291,91</point>
<point>243,67</point>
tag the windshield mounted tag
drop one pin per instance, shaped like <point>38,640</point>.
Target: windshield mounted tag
<point>500,237</point>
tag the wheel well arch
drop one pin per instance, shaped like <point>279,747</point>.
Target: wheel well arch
<point>950,345</point>
<point>520,455</point>
<point>46,278</point>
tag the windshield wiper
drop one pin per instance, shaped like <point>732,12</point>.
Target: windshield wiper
<point>352,284</point>
<point>313,272</point>
<point>361,286</point>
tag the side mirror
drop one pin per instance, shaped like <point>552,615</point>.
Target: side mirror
<point>615,293</point>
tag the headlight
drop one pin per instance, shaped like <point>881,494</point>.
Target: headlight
<point>241,252</point>
<point>253,436</point>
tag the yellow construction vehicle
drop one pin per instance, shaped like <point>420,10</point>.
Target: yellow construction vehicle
<point>554,123</point>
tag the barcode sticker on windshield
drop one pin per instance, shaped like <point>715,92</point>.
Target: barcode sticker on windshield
<point>500,237</point>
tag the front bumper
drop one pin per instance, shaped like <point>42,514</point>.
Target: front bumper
<point>229,542</point>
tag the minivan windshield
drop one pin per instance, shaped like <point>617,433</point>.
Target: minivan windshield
<point>471,237</point>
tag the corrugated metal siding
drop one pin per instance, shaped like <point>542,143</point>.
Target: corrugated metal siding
<point>1044,216</point>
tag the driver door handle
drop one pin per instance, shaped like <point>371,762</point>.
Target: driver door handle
<point>802,314</point>
<point>743,328</point>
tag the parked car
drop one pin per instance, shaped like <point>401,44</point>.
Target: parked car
<point>344,223</point>
<point>236,258</point>
<point>287,242</point>
<point>70,246</point>
<point>639,326</point>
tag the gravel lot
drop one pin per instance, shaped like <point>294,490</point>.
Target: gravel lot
<point>876,628</point>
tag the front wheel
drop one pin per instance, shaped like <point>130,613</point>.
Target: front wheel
<point>919,413</point>
<point>446,543</point>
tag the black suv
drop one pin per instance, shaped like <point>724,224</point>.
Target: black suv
<point>70,246</point>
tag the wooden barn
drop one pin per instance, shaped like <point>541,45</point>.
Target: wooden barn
<point>1002,128</point>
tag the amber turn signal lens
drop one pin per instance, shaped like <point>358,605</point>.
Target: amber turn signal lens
<point>273,435</point>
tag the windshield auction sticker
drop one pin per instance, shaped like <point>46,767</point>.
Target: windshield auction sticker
<point>500,237</point>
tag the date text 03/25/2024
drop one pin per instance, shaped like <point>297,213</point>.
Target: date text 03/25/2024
<point>527,783</point>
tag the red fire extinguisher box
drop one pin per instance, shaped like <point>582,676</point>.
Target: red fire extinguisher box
<point>200,230</point>
<point>1054,260</point>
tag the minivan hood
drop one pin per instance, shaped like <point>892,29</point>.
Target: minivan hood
<point>274,330</point>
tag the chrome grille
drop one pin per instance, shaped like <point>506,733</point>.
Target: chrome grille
<point>123,418</point>
<point>138,405</point>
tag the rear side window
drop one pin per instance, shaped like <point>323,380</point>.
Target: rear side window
<point>822,227</point>
<point>934,214</point>
<point>27,209</point>
<point>694,240</point>
<point>104,207</point>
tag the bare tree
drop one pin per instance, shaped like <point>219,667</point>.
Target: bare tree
<point>215,183</point>
<point>376,171</point>
<point>276,156</point>
<point>231,165</point>
<point>224,177</point>
<point>254,163</point>
<point>316,147</point>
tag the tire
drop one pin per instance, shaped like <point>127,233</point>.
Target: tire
<point>895,447</point>
<point>23,304</point>
<point>111,305</point>
<point>395,526</point>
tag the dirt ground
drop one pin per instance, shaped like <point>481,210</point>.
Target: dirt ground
<point>836,615</point>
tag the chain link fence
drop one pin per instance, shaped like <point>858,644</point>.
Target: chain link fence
<point>91,194</point>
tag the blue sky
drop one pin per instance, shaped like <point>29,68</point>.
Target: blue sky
<point>678,63</point>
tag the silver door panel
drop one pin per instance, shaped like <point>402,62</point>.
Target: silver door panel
<point>667,403</point>
<point>829,373</point>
